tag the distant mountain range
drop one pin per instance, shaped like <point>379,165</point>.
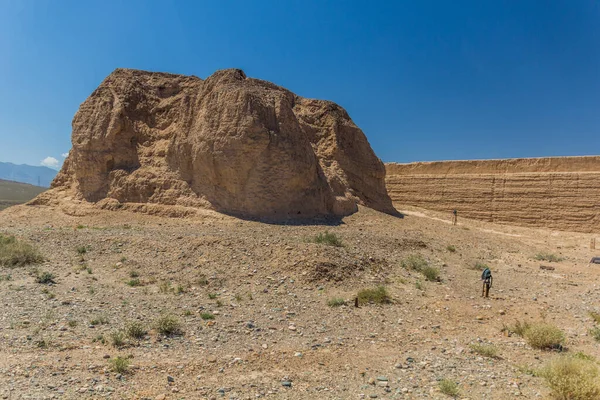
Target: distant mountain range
<point>38,176</point>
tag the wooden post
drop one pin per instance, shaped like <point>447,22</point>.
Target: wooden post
<point>593,243</point>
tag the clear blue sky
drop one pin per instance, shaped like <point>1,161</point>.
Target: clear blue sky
<point>425,80</point>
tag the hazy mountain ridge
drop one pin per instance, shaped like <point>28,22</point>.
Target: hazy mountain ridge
<point>38,176</point>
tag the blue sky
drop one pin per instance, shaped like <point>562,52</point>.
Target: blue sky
<point>425,80</point>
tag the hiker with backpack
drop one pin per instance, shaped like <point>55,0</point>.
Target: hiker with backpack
<point>486,277</point>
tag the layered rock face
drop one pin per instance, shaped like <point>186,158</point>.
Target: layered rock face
<point>230,143</point>
<point>560,193</point>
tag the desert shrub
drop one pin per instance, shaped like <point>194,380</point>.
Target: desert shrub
<point>207,316</point>
<point>449,388</point>
<point>165,287</point>
<point>548,257</point>
<point>486,350</point>
<point>212,296</point>
<point>378,295</point>
<point>16,253</point>
<point>451,248</point>
<point>430,273</point>
<point>72,323</point>
<point>99,320</point>
<point>168,325</point>
<point>419,285</point>
<point>202,280</point>
<point>119,365</point>
<point>518,328</point>
<point>135,330</point>
<point>328,238</point>
<point>336,302</point>
<point>414,262</point>
<point>595,316</point>
<point>544,336</point>
<point>595,332</point>
<point>571,378</point>
<point>134,274</point>
<point>117,338</point>
<point>45,277</point>
<point>81,250</point>
<point>134,282</point>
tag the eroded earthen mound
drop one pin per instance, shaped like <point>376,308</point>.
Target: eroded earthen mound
<point>234,144</point>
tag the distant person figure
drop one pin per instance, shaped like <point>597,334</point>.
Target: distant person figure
<point>486,277</point>
<point>454,217</point>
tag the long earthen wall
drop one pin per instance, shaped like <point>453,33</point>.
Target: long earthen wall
<point>559,193</point>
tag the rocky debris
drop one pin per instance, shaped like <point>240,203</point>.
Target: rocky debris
<point>234,144</point>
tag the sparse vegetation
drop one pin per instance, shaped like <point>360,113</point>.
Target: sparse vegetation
<point>485,350</point>
<point>595,316</point>
<point>544,336</point>
<point>572,378</point>
<point>416,262</point>
<point>207,316</point>
<point>81,250</point>
<point>518,328</point>
<point>336,302</point>
<point>135,330</point>
<point>548,257</point>
<point>45,278</point>
<point>595,333</point>
<point>328,238</point>
<point>451,248</point>
<point>168,325</point>
<point>212,296</point>
<point>238,298</point>
<point>202,280</point>
<point>99,320</point>
<point>134,282</point>
<point>134,274</point>
<point>431,274</point>
<point>449,388</point>
<point>165,287</point>
<point>419,285</point>
<point>72,323</point>
<point>378,295</point>
<point>16,253</point>
<point>119,365</point>
<point>117,338</point>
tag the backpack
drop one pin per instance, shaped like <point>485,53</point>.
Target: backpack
<point>487,274</point>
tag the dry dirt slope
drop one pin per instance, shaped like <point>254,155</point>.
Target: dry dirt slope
<point>267,287</point>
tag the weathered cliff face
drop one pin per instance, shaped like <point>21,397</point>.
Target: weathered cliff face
<point>560,193</point>
<point>230,143</point>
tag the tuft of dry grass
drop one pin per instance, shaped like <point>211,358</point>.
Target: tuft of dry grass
<point>168,325</point>
<point>544,336</point>
<point>328,238</point>
<point>572,378</point>
<point>449,388</point>
<point>485,350</point>
<point>378,295</point>
<point>16,253</point>
<point>119,365</point>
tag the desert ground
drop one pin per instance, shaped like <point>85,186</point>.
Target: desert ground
<point>252,300</point>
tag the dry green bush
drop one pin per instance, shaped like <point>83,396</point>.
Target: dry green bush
<point>486,350</point>
<point>16,253</point>
<point>449,387</point>
<point>336,302</point>
<point>328,238</point>
<point>378,295</point>
<point>544,336</point>
<point>119,365</point>
<point>168,325</point>
<point>571,378</point>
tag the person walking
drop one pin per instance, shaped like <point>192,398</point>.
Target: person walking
<point>486,277</point>
<point>454,217</point>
